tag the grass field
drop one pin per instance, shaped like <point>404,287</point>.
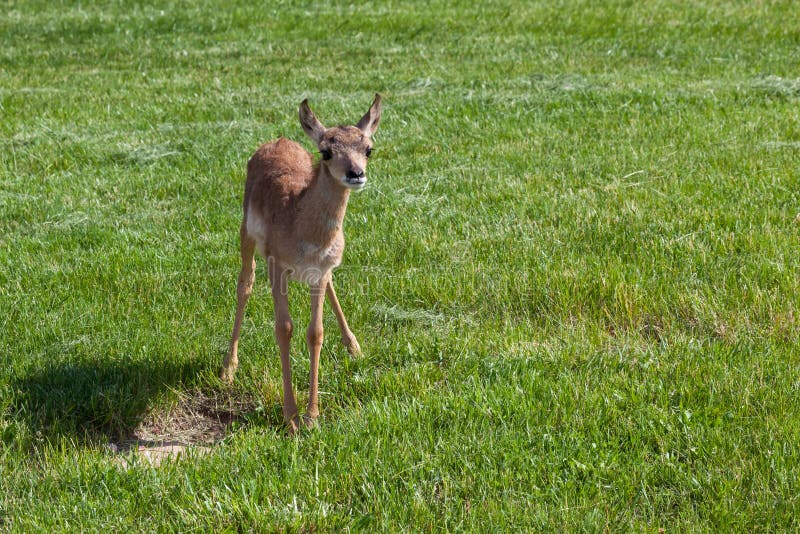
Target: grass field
<point>574,272</point>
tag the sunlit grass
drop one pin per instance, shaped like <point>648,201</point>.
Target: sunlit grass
<point>574,273</point>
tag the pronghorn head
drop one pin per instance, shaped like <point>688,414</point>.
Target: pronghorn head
<point>344,149</point>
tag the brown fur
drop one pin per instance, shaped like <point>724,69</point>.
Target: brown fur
<point>293,213</point>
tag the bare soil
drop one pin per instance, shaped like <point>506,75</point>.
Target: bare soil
<point>194,425</point>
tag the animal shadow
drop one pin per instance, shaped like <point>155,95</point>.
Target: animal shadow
<point>88,401</point>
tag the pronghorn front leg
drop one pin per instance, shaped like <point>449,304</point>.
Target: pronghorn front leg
<point>348,339</point>
<point>314,336</point>
<point>283,335</point>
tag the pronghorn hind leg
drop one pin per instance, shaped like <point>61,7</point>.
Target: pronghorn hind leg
<point>348,339</point>
<point>244,289</point>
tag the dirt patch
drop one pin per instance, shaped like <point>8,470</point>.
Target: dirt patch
<point>193,426</point>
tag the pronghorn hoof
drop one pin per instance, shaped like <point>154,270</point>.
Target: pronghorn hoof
<point>226,375</point>
<point>293,425</point>
<point>352,346</point>
<point>310,421</point>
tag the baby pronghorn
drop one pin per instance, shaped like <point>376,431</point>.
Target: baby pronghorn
<point>293,212</point>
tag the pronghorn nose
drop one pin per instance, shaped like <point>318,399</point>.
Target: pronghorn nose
<point>355,173</point>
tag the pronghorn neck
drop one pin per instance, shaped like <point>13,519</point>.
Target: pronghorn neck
<point>321,210</point>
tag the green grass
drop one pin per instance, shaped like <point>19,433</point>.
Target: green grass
<point>574,274</point>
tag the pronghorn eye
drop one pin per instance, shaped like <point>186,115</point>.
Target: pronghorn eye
<point>369,152</point>
<point>326,154</point>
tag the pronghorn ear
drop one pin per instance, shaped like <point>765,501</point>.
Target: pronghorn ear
<point>369,122</point>
<point>311,125</point>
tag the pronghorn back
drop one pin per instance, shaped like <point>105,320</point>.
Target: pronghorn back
<point>278,172</point>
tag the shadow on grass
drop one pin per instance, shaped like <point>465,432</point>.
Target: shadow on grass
<point>131,404</point>
<point>99,400</point>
